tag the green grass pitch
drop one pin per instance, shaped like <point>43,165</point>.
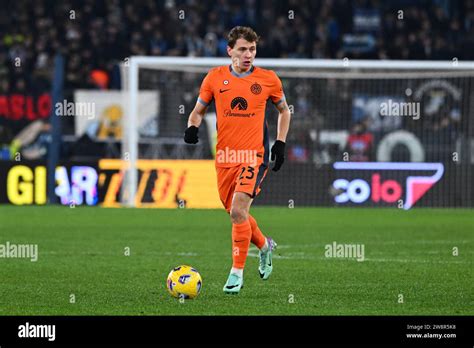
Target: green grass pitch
<point>82,253</point>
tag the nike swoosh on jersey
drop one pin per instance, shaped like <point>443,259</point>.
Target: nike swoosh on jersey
<point>223,90</point>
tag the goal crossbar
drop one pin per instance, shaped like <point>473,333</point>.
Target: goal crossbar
<point>135,63</point>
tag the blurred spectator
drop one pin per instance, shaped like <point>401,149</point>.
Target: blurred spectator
<point>32,142</point>
<point>360,144</point>
<point>99,78</point>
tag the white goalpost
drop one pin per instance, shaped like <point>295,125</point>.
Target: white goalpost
<point>308,70</point>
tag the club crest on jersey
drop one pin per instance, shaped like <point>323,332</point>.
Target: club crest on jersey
<point>256,88</point>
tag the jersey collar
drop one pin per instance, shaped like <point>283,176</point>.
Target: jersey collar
<point>242,74</point>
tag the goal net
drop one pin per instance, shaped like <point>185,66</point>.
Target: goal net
<point>363,133</point>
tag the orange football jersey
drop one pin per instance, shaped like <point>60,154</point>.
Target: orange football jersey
<point>240,101</point>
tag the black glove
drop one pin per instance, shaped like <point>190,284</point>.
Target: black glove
<point>278,152</point>
<point>191,135</point>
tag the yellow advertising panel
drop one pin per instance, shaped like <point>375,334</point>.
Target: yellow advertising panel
<point>163,183</point>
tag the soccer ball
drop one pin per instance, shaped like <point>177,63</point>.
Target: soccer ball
<point>184,282</point>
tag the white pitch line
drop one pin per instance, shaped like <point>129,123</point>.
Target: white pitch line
<point>391,242</point>
<point>301,256</point>
<point>414,261</point>
<point>317,245</point>
<point>251,254</point>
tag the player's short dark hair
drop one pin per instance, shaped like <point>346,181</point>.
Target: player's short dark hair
<point>239,32</point>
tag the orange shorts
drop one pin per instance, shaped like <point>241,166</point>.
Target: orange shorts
<point>240,178</point>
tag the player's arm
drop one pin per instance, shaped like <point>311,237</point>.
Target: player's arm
<point>206,95</point>
<point>278,149</point>
<point>194,121</point>
<point>195,117</point>
<point>284,118</point>
<point>278,98</point>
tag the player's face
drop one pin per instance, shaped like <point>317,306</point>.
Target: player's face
<point>242,54</point>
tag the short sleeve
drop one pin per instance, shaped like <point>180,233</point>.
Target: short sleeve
<point>277,95</point>
<point>206,93</point>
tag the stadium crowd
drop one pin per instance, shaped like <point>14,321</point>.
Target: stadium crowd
<point>95,35</point>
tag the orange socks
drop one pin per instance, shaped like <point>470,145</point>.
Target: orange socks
<point>258,239</point>
<point>241,235</point>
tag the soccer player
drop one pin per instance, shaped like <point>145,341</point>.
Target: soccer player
<point>240,92</point>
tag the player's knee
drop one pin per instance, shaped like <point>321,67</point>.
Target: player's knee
<point>238,215</point>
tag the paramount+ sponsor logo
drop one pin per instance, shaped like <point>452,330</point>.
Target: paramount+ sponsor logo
<point>384,183</point>
<point>237,105</point>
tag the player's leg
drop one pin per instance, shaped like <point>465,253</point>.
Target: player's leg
<point>226,185</point>
<point>227,179</point>
<point>265,244</point>
<point>265,265</point>
<point>241,236</point>
<point>258,238</point>
<point>249,182</point>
